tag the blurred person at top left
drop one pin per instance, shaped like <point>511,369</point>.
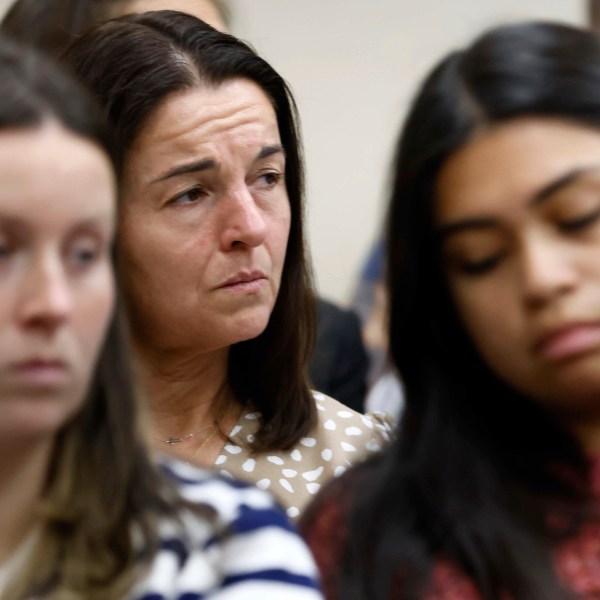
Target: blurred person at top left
<point>50,25</point>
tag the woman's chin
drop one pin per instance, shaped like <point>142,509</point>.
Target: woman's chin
<point>249,331</point>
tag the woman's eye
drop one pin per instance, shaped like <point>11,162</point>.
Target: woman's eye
<point>83,253</point>
<point>270,179</point>
<point>580,222</point>
<point>5,248</point>
<point>189,196</point>
<point>480,267</point>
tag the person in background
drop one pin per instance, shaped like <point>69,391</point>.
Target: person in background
<point>385,392</point>
<point>51,25</point>
<point>492,488</point>
<point>84,512</point>
<point>213,12</point>
<point>213,256</point>
<point>339,363</point>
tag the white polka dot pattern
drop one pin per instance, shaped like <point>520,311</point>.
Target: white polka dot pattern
<point>341,437</point>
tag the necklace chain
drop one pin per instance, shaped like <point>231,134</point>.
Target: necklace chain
<point>172,441</point>
<point>191,458</point>
<point>204,443</point>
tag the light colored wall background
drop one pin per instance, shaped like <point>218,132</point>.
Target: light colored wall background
<point>353,66</point>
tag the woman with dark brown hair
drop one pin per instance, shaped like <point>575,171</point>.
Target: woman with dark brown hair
<point>212,254</point>
<point>84,513</point>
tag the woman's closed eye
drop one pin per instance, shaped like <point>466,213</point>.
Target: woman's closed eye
<point>480,266</point>
<point>581,222</point>
<point>475,254</point>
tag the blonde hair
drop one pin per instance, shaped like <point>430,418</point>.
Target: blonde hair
<point>102,496</point>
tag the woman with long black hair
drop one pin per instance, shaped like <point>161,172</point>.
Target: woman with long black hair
<point>491,490</point>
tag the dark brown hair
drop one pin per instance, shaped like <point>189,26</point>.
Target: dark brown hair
<point>133,64</point>
<point>101,484</point>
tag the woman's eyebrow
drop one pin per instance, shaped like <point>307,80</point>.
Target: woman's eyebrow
<point>15,225</point>
<point>193,167</point>
<point>561,182</point>
<point>208,163</point>
<point>462,225</point>
<point>267,151</point>
<point>539,197</point>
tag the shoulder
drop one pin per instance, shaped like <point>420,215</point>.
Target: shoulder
<point>226,538</point>
<point>352,431</point>
<point>340,438</point>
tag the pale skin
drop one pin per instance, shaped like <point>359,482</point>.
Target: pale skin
<point>57,204</point>
<point>204,230</point>
<point>203,9</point>
<point>518,212</point>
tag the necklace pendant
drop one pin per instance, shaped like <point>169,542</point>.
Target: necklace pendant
<point>172,441</point>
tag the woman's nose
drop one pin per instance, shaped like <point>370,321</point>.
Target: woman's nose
<point>244,222</point>
<point>548,271</point>
<point>46,300</point>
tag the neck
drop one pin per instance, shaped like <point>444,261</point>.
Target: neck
<point>584,424</point>
<point>22,478</point>
<point>182,390</point>
<point>588,434</point>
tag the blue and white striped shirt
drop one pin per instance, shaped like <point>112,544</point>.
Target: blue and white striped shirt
<point>247,551</point>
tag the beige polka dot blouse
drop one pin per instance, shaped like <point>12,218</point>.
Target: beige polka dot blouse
<point>341,438</point>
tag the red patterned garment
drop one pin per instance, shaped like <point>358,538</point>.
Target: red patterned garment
<point>577,560</point>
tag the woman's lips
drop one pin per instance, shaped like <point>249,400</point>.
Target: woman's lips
<point>246,286</point>
<point>245,282</point>
<point>41,373</point>
<point>569,341</point>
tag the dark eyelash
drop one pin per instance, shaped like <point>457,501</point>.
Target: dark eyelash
<point>480,267</point>
<point>197,190</point>
<point>87,253</point>
<point>5,249</point>
<point>580,222</point>
<point>272,177</point>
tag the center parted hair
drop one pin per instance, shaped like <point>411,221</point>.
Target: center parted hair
<point>133,64</point>
<point>478,467</point>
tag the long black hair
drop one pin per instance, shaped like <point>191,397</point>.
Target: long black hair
<point>132,64</point>
<point>478,467</point>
